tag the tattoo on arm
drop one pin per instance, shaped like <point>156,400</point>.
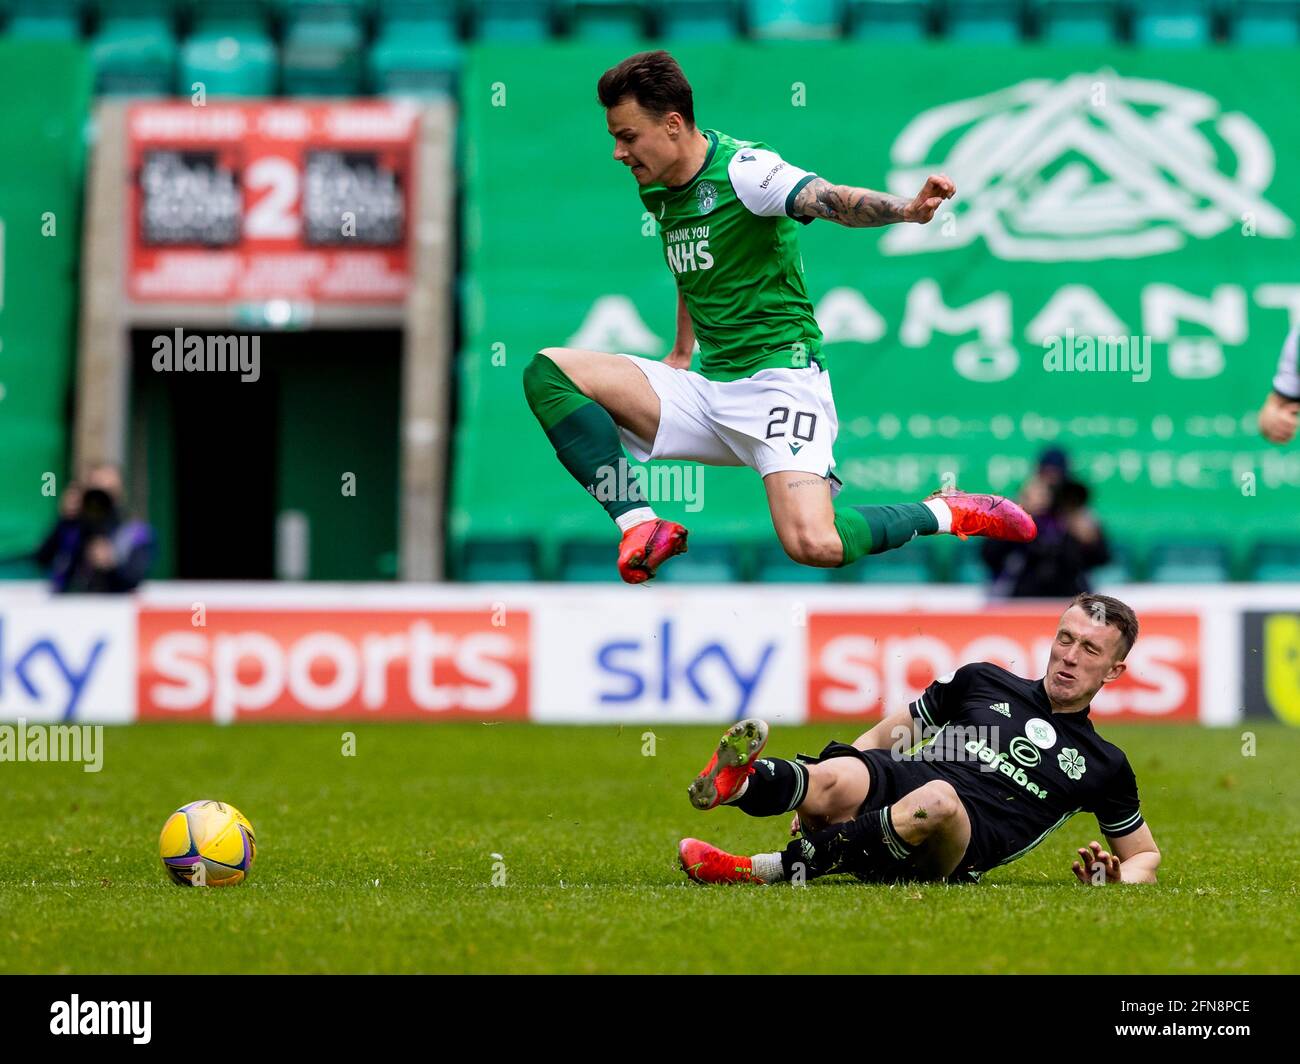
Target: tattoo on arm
<point>856,208</point>
<point>804,483</point>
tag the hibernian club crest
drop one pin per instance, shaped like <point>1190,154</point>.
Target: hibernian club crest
<point>707,196</point>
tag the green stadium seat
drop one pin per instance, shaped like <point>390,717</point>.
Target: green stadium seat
<point>982,21</point>
<point>1119,570</point>
<point>45,20</point>
<point>795,19</point>
<point>1079,22</point>
<point>403,62</point>
<point>1192,562</point>
<point>605,20</point>
<point>774,566</point>
<point>888,20</point>
<point>707,563</point>
<point>1275,23</point>
<point>229,51</point>
<point>511,20</point>
<point>589,562</point>
<point>322,50</point>
<point>1275,562</point>
<point>1172,23</point>
<point>699,20</point>
<point>967,565</point>
<point>910,564</point>
<point>416,52</point>
<point>134,51</point>
<point>20,569</point>
<point>431,20</point>
<point>488,560</point>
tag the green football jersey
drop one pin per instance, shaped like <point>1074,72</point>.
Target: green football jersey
<point>732,245</point>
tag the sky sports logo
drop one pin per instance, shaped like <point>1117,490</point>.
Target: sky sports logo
<point>77,1017</point>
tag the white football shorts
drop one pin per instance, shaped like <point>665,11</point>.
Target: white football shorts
<point>774,421</point>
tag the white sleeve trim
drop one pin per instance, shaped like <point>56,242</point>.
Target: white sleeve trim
<point>763,180</point>
<point>1287,380</point>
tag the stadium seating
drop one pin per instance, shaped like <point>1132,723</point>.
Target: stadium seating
<point>773,566</point>
<point>911,564</point>
<point>983,21</point>
<point>794,19</point>
<point>55,20</point>
<point>1264,22</point>
<point>500,559</point>
<point>229,51</point>
<point>1189,562</point>
<point>967,567</point>
<point>1275,561</point>
<point>1172,23</point>
<point>134,51</point>
<point>605,20</point>
<point>699,20</point>
<point>322,48</point>
<point>888,20</point>
<point>588,562</point>
<point>705,563</point>
<point>431,21</point>
<point>1077,22</point>
<point>1119,570</point>
<point>511,20</point>
<point>416,52</point>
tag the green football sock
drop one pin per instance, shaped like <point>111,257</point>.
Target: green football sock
<point>584,436</point>
<point>876,529</point>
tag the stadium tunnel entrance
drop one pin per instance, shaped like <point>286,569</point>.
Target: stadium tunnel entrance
<point>278,458</point>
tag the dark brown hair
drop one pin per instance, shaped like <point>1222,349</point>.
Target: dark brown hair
<point>1107,610</point>
<point>654,80</point>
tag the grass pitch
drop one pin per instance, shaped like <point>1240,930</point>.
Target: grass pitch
<point>384,862</point>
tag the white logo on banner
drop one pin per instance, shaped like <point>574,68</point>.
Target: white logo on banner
<point>1095,166</point>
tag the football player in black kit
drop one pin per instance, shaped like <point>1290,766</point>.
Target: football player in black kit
<point>1009,762</point>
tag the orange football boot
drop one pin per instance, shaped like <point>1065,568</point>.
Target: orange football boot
<point>707,864</point>
<point>987,515</point>
<point>647,546</point>
<point>732,763</point>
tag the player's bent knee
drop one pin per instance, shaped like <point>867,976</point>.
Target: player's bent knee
<point>939,801</point>
<point>836,789</point>
<point>811,548</point>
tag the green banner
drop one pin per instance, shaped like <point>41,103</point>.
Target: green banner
<point>45,87</point>
<point>1115,275</point>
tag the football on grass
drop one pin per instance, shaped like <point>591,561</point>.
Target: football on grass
<point>207,844</point>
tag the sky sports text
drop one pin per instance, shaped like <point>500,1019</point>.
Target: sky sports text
<point>657,667</point>
<point>79,1017</point>
<point>862,665</point>
<point>282,663</point>
<point>45,669</point>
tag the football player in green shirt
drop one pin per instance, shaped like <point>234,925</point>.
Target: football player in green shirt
<point>728,213</point>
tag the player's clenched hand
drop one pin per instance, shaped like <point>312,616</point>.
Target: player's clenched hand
<point>678,359</point>
<point>1091,856</point>
<point>794,825</point>
<point>1277,419</point>
<point>937,188</point>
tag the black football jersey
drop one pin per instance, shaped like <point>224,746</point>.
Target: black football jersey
<point>1019,766</point>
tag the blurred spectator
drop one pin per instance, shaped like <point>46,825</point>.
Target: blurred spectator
<point>1281,410</point>
<point>94,546</point>
<point>1070,541</point>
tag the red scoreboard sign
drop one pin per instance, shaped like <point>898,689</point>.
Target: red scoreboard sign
<point>235,202</point>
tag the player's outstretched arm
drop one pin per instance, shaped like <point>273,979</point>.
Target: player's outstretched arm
<point>898,730</point>
<point>1278,418</point>
<point>1135,860</point>
<point>1279,415</point>
<point>862,208</point>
